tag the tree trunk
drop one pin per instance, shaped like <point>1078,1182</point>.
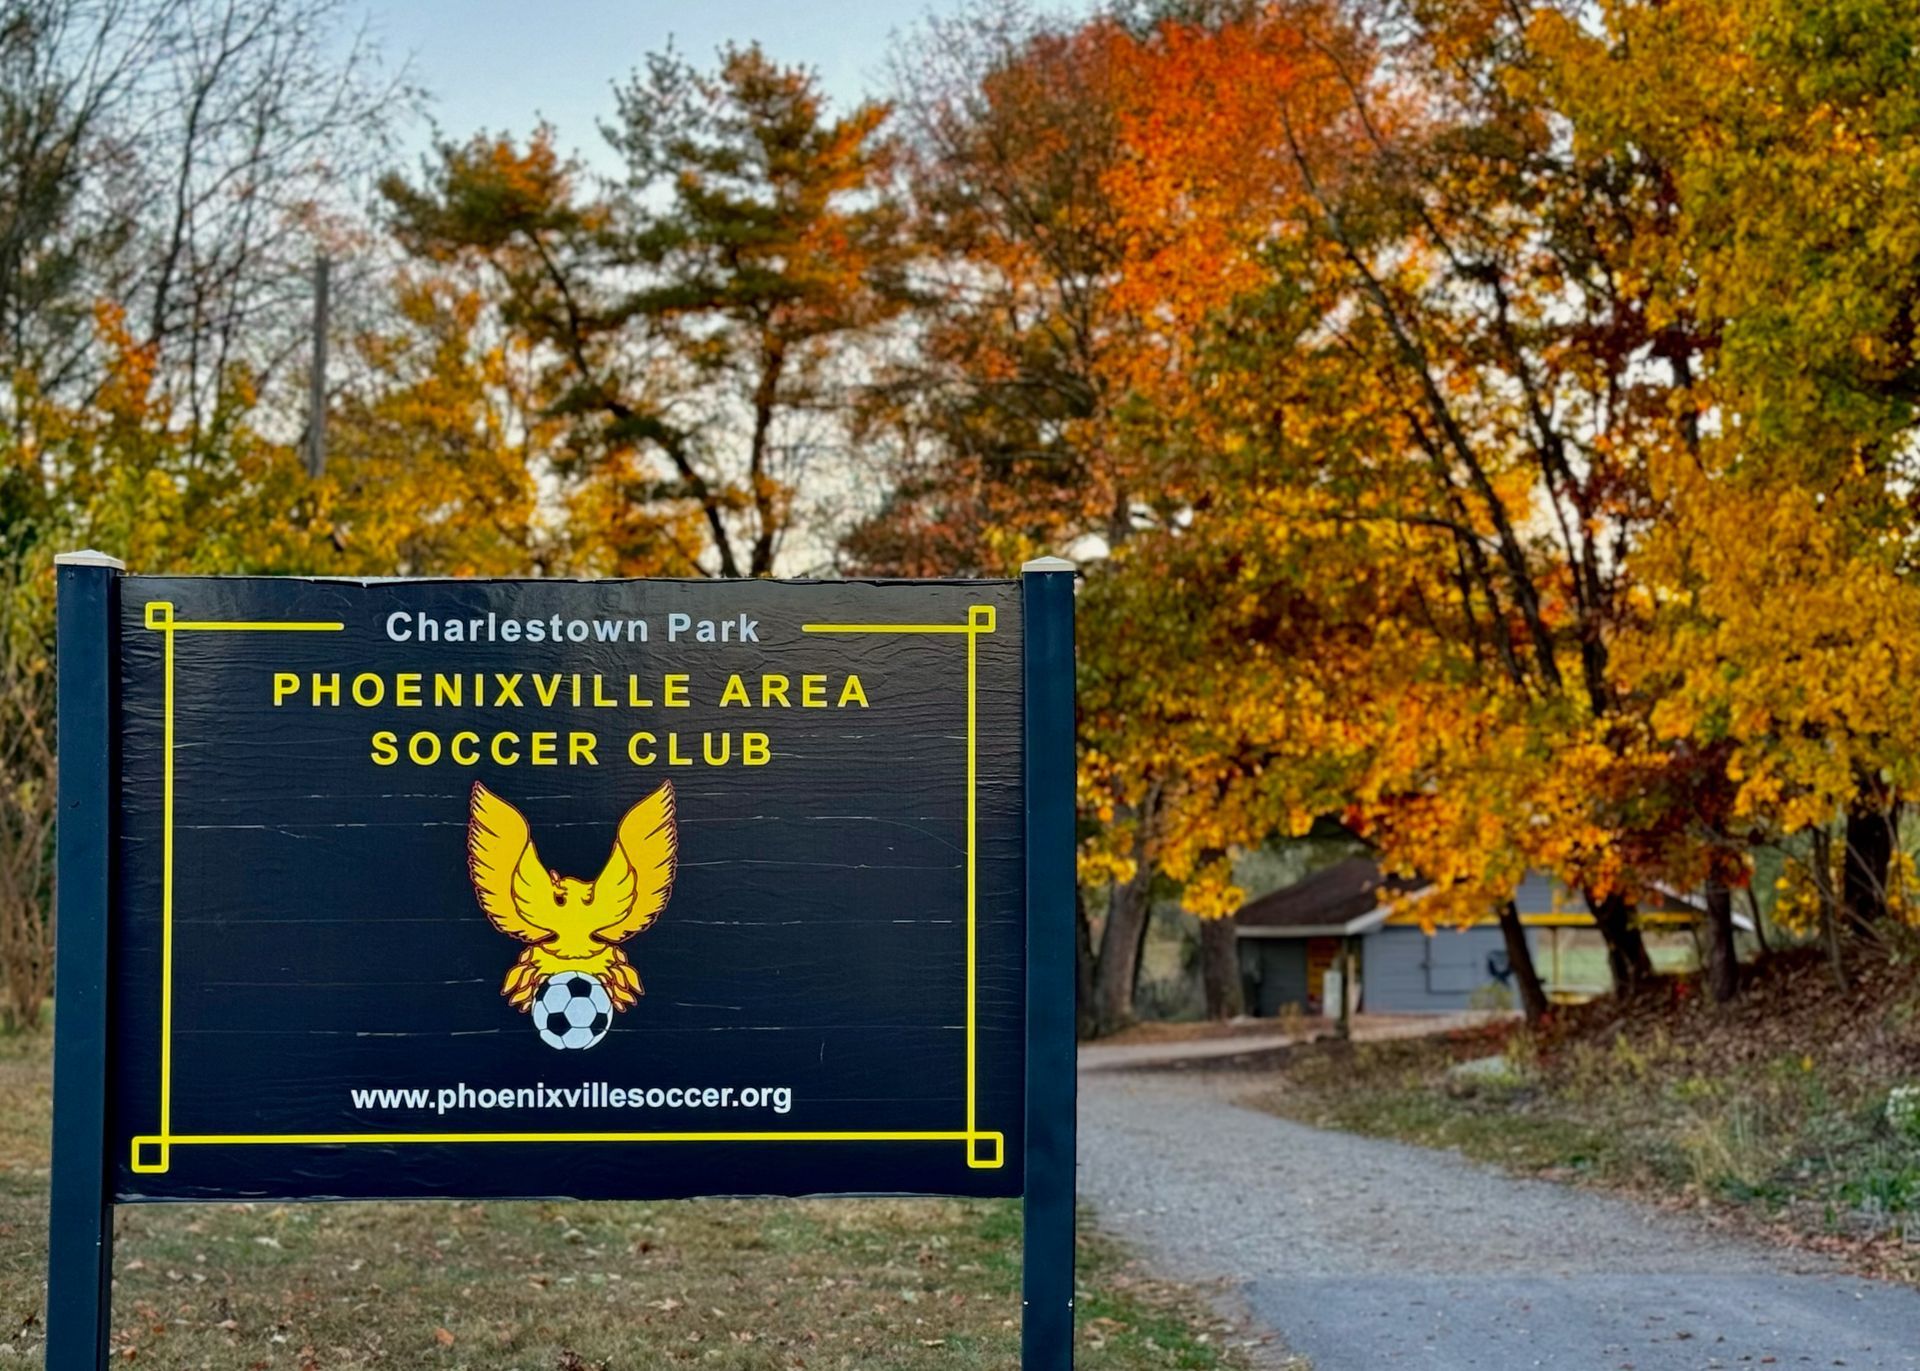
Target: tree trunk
<point>1871,826</point>
<point>1118,969</point>
<point>1626,950</point>
<point>1723,960</point>
<point>1829,905</point>
<point>1084,1023</point>
<point>1220,969</point>
<point>1759,923</point>
<point>1526,978</point>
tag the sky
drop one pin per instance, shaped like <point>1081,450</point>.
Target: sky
<point>505,64</point>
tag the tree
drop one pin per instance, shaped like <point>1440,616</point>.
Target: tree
<point>997,426</point>
<point>1220,969</point>
<point>27,797</point>
<point>182,160</point>
<point>430,478</point>
<point>1372,486</point>
<point>1783,570</point>
<point>436,453</point>
<point>1000,426</point>
<point>780,250</point>
<point>1389,346</point>
<point>693,326</point>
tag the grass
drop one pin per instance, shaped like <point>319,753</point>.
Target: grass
<point>727,1285</point>
<point>1772,1111</point>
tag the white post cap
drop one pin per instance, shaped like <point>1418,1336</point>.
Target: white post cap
<point>1046,564</point>
<point>88,557</point>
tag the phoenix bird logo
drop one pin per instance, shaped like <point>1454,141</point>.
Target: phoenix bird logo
<point>571,925</point>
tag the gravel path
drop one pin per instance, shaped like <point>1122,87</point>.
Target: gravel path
<point>1366,1255</point>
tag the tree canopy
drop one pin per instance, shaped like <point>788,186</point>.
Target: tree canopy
<point>1485,428</point>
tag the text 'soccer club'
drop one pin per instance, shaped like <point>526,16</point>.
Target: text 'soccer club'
<point>575,889</point>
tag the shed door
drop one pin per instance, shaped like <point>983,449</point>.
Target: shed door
<point>1456,962</point>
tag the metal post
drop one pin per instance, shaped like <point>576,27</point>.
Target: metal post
<point>317,380</point>
<point>1046,1329</point>
<point>80,1247</point>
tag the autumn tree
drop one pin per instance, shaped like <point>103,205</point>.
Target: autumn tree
<point>692,325</point>
<point>997,423</point>
<point>1378,337</point>
<point>436,450</point>
<point>997,428</point>
<point>27,755</point>
<point>1063,284</point>
<point>1784,568</point>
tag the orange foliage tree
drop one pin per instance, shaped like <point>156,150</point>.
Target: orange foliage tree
<point>1379,388</point>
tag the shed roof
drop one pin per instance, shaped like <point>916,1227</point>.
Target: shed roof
<point>1348,897</point>
<point>1353,896</point>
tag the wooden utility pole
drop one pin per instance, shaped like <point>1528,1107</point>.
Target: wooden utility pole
<point>317,380</point>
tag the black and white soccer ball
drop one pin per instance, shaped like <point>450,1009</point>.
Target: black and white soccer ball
<point>572,1011</point>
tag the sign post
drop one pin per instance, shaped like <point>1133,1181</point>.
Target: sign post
<point>80,1235</point>
<point>1046,1326</point>
<point>620,889</point>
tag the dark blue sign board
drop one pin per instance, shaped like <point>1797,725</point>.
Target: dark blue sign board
<point>621,889</point>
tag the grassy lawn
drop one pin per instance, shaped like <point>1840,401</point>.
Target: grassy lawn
<point>1771,1112</point>
<point>728,1285</point>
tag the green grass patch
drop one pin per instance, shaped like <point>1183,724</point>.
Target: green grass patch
<point>730,1285</point>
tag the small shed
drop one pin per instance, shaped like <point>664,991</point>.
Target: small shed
<point>1289,940</point>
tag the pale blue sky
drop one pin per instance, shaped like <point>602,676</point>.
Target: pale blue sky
<point>503,64</point>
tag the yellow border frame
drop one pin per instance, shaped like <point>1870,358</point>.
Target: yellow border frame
<point>159,617</point>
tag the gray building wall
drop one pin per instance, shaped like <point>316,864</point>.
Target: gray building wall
<point>1408,971</point>
<point>1401,970</point>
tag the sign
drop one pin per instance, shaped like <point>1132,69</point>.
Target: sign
<point>625,889</point>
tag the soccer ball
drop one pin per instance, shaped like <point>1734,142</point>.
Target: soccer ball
<point>572,1010</point>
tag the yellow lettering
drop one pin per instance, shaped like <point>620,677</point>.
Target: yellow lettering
<point>633,749</point>
<point>600,700</point>
<point>726,748</point>
<point>284,684</point>
<point>368,689</point>
<point>673,752</point>
<point>330,685</point>
<point>852,690</point>
<point>506,689</point>
<point>773,688</point>
<point>813,692</point>
<point>501,754</point>
<point>580,745</point>
<point>735,692</point>
<point>544,750</point>
<point>754,750</point>
<point>406,690</point>
<point>673,690</point>
<point>384,752</point>
<point>424,743</point>
<point>447,690</point>
<point>469,757</point>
